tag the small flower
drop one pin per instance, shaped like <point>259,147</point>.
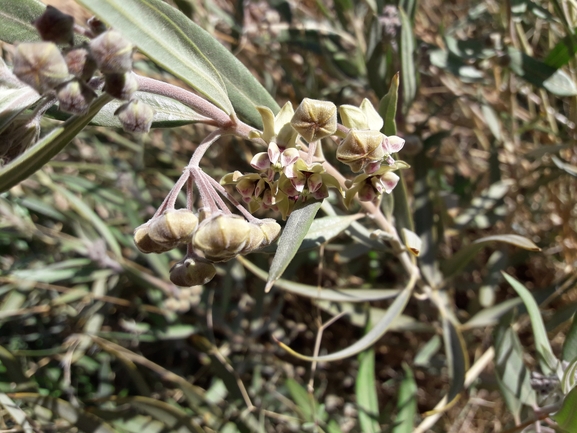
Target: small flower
<point>40,65</point>
<point>75,97</point>
<point>222,237</point>
<point>362,148</point>
<point>277,128</point>
<point>55,26</point>
<point>112,52</point>
<point>274,160</point>
<point>135,116</point>
<point>369,187</point>
<point>363,117</point>
<point>307,180</point>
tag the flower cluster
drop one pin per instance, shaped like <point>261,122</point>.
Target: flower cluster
<point>66,72</point>
<point>284,176</point>
<point>210,237</point>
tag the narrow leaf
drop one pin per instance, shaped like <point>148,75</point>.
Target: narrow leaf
<point>16,20</point>
<point>388,107</point>
<point>17,414</point>
<point>460,259</point>
<point>567,417</point>
<point>408,68</point>
<point>542,344</point>
<point>490,316</point>
<point>484,202</point>
<point>302,398</point>
<point>13,100</point>
<point>81,419</point>
<point>48,147</point>
<point>538,73</point>
<point>157,29</point>
<point>406,403</point>
<point>365,388</point>
<point>457,360</point>
<point>321,231</point>
<point>295,230</point>
<point>371,337</point>
<point>570,343</point>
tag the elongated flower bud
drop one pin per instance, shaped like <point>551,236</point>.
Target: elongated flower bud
<point>55,26</point>
<point>271,230</point>
<point>189,272</point>
<point>146,245</point>
<point>361,148</point>
<point>222,237</point>
<point>112,52</point>
<point>135,116</point>
<point>80,63</point>
<point>75,97</point>
<point>174,226</point>
<point>314,119</point>
<point>40,65</point>
<point>120,86</point>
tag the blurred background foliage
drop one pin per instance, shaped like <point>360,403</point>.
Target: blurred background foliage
<point>94,337</point>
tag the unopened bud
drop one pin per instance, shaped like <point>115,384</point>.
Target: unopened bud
<point>80,63</point>
<point>174,226</point>
<point>135,116</point>
<point>361,148</point>
<point>255,239</point>
<point>314,119</point>
<point>75,97</point>
<point>222,237</point>
<point>112,52</point>
<point>146,245</point>
<point>120,86</point>
<point>191,272</point>
<point>96,26</point>
<point>40,65</point>
<point>55,26</point>
<point>271,230</point>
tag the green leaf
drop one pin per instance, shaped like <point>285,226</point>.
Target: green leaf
<point>562,52</point>
<point>542,344</point>
<point>168,38</point>
<point>456,358</point>
<point>570,343</point>
<point>290,240</point>
<point>188,52</point>
<point>460,259</point>
<point>569,379</point>
<point>567,416</point>
<point>539,74</point>
<point>406,403</point>
<point>388,107</point>
<point>17,414</point>
<point>333,295</point>
<point>408,68</point>
<point>48,147</point>
<point>302,398</point>
<point>490,316</point>
<point>16,20</point>
<point>365,388</point>
<point>371,337</point>
<point>483,203</point>
<point>321,231</point>
<point>81,419</point>
<point>167,112</point>
<point>513,375</point>
<point>13,98</point>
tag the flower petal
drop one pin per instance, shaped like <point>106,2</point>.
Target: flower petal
<point>260,161</point>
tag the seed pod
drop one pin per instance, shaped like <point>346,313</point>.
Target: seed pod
<point>75,97</point>
<point>40,65</point>
<point>173,227</point>
<point>271,230</point>
<point>222,237</point>
<point>314,119</point>
<point>120,86</point>
<point>112,52</point>
<point>80,63</point>
<point>189,272</point>
<point>135,116</point>
<point>360,148</point>
<point>146,245</point>
<point>55,26</point>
